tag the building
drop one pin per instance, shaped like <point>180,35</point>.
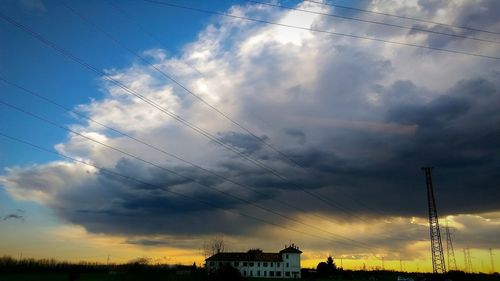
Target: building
<point>256,263</point>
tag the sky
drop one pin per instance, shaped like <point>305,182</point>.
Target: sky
<point>146,128</point>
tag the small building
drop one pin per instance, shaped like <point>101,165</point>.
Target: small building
<point>256,263</point>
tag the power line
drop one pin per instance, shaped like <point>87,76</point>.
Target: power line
<point>164,74</point>
<point>30,92</point>
<point>129,178</point>
<point>319,30</point>
<point>174,172</point>
<point>169,113</point>
<point>282,154</point>
<point>144,30</point>
<point>375,22</point>
<point>175,116</point>
<point>403,17</point>
<point>224,178</point>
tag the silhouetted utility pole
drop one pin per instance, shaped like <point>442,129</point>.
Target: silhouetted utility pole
<point>438,265</point>
<point>491,260</point>
<point>452,263</point>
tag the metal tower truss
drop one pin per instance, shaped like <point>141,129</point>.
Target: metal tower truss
<point>450,253</point>
<point>438,265</point>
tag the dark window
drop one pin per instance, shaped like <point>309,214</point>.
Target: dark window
<point>258,272</point>
<point>236,263</point>
<point>278,273</point>
<point>287,274</point>
<point>271,273</point>
<point>251,272</point>
<point>250,263</point>
<point>258,264</point>
<point>271,265</point>
<point>287,256</point>
<point>277,264</point>
<point>265,273</point>
<point>286,264</point>
<point>264,264</point>
<point>212,263</point>
<point>244,273</point>
<point>245,264</point>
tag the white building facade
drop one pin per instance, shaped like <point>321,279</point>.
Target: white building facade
<point>255,263</point>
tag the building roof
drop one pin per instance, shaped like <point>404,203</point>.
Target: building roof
<point>291,249</point>
<point>248,256</point>
<point>255,255</point>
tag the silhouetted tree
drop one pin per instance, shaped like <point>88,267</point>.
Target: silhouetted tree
<point>214,246</point>
<point>326,269</point>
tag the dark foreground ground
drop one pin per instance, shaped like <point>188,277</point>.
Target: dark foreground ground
<point>184,276</point>
<point>140,270</point>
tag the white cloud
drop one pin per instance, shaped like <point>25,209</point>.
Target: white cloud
<point>338,94</point>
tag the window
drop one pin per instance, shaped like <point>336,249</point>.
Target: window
<point>212,263</point>
<point>286,264</point>
<point>244,273</point>
<point>236,263</point>
<point>258,264</point>
<point>265,273</point>
<point>287,274</point>
<point>251,273</point>
<point>264,264</point>
<point>277,264</point>
<point>258,272</point>
<point>287,256</point>
<point>271,273</point>
<point>250,263</point>
<point>278,273</point>
<point>271,265</point>
<point>245,264</point>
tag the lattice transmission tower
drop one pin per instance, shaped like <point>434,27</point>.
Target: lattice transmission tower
<point>450,253</point>
<point>438,265</point>
<point>491,260</point>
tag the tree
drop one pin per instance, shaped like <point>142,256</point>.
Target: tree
<point>326,269</point>
<point>214,246</point>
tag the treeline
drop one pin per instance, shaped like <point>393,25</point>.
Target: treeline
<point>27,265</point>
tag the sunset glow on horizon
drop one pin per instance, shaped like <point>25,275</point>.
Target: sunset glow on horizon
<point>137,129</point>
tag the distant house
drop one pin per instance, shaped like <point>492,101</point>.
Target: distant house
<point>256,263</point>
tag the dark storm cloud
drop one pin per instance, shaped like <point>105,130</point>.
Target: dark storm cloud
<point>476,15</point>
<point>360,155</point>
<point>482,14</point>
<point>244,142</point>
<point>13,217</point>
<point>298,134</point>
<point>457,132</point>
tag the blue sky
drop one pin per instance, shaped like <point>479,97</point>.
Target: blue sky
<point>26,61</point>
<point>360,117</point>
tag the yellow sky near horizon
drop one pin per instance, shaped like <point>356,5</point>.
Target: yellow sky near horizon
<point>73,243</point>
